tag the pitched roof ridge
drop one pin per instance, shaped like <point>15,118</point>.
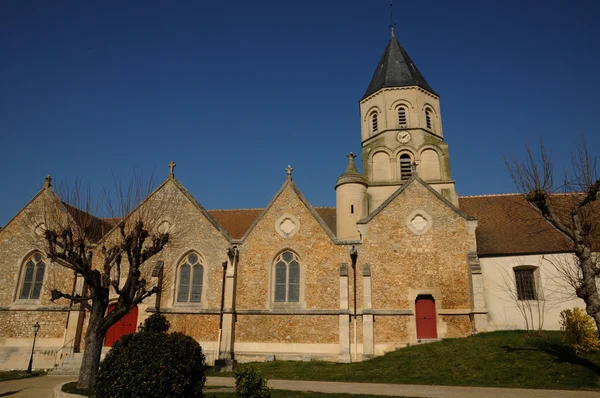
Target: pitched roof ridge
<point>487,195</point>
<point>241,208</point>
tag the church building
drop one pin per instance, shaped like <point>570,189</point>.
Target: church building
<point>401,259</point>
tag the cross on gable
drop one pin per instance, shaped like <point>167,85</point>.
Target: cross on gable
<point>351,155</point>
<point>172,168</point>
<point>48,183</point>
<point>289,170</point>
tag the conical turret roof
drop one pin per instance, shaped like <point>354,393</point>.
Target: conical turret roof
<point>396,69</point>
<point>351,175</point>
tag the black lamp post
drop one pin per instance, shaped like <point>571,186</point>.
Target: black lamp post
<point>36,329</point>
<point>140,327</point>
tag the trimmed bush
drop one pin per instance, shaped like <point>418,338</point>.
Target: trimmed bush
<point>152,365</point>
<point>250,384</point>
<point>156,323</point>
<point>579,330</point>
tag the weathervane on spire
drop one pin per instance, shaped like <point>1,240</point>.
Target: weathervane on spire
<point>392,23</point>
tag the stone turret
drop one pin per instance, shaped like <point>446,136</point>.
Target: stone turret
<point>350,201</point>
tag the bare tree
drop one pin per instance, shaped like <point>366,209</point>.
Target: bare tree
<point>571,207</point>
<point>533,306</point>
<point>113,265</point>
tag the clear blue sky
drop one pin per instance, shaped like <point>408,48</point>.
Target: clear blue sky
<point>234,91</point>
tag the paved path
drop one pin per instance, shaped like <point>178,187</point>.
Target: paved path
<point>409,390</point>
<point>42,387</point>
<point>33,387</point>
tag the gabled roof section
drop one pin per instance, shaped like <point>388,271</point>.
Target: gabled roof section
<point>289,182</point>
<point>95,228</point>
<point>238,221</point>
<point>24,207</point>
<point>509,225</point>
<point>199,207</point>
<point>414,180</point>
<point>171,178</point>
<point>396,69</point>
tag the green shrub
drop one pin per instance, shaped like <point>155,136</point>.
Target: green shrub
<point>250,384</point>
<point>152,365</point>
<point>579,330</point>
<point>156,323</point>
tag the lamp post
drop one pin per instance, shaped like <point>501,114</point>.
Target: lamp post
<point>36,329</point>
<point>140,327</point>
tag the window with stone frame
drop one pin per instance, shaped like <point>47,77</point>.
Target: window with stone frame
<point>287,278</point>
<point>190,279</point>
<point>405,167</point>
<point>402,120</point>
<point>32,278</point>
<point>429,119</point>
<point>525,283</point>
<point>374,123</point>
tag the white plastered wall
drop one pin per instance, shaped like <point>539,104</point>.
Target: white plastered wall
<point>553,291</point>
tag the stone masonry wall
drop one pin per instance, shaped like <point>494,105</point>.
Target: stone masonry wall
<point>312,329</point>
<point>404,263</point>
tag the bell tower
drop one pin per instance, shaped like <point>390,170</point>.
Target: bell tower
<point>401,127</point>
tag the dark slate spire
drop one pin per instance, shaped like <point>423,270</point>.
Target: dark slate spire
<point>396,69</point>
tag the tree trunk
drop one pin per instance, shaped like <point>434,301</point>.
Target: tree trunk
<point>93,346</point>
<point>589,289</point>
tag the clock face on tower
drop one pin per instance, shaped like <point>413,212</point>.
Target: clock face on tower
<point>404,137</point>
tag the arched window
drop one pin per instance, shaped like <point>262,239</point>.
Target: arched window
<point>191,276</point>
<point>374,126</point>
<point>525,282</point>
<point>405,166</point>
<point>287,278</point>
<point>402,116</point>
<point>33,277</point>
<point>428,119</point>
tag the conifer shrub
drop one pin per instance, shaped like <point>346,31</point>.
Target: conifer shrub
<point>250,384</point>
<point>156,323</point>
<point>579,330</point>
<point>152,364</point>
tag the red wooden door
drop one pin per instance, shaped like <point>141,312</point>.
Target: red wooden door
<point>124,326</point>
<point>426,319</point>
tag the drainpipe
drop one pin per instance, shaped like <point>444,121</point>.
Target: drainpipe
<point>353,257</point>
<point>157,272</point>
<point>224,265</point>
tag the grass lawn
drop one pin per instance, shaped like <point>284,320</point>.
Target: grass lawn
<point>496,359</point>
<point>18,374</point>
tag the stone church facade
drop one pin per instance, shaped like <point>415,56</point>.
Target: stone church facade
<point>401,259</point>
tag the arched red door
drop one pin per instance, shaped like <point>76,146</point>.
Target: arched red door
<point>426,319</point>
<point>124,326</point>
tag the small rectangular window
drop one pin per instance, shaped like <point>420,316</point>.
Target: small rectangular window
<point>525,281</point>
<point>351,209</point>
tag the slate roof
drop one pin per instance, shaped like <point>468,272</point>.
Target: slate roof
<point>396,69</point>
